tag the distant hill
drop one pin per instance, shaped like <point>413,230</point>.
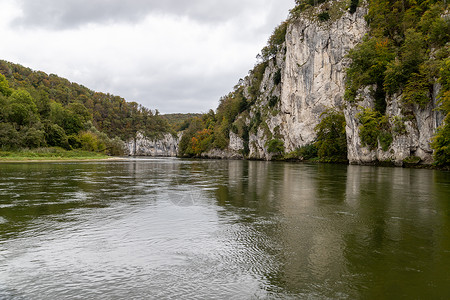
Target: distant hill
<point>37,109</point>
<point>179,122</point>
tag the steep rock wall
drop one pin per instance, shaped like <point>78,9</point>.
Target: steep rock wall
<point>414,141</point>
<point>312,63</point>
<point>313,78</point>
<point>167,146</point>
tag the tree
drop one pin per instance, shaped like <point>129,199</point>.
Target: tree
<point>22,108</point>
<point>331,140</point>
<point>4,86</point>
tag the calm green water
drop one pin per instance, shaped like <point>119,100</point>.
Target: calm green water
<point>180,229</point>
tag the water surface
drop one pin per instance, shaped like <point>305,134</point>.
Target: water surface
<point>186,229</point>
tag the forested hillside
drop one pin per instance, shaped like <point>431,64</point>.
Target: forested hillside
<point>39,110</point>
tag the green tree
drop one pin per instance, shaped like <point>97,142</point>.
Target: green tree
<point>9,137</point>
<point>331,141</point>
<point>22,108</point>
<point>4,86</point>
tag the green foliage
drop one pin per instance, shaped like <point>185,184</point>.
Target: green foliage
<point>417,90</point>
<point>275,146</point>
<point>369,129</point>
<point>306,152</point>
<point>48,110</point>
<point>56,136</point>
<point>4,86</point>
<point>323,16</point>
<point>353,6</point>
<point>302,5</point>
<point>277,77</point>
<point>441,144</point>
<point>331,140</point>
<point>407,43</point>
<point>52,153</point>
<point>32,138</point>
<point>273,101</point>
<point>275,42</point>
<point>91,142</point>
<point>179,122</point>
<point>186,147</point>
<point>374,128</point>
<point>441,141</point>
<point>256,76</point>
<point>9,137</point>
<point>399,127</point>
<point>368,64</point>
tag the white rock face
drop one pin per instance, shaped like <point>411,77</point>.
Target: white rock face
<point>167,146</point>
<point>415,142</point>
<point>312,64</point>
<point>236,143</point>
<point>313,78</point>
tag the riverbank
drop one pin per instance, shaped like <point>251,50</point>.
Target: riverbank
<point>52,154</point>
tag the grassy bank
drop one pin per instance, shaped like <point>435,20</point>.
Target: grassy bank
<point>53,153</point>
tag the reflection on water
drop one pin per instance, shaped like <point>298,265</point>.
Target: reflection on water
<point>186,229</point>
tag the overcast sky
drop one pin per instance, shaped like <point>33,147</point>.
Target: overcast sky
<point>170,55</point>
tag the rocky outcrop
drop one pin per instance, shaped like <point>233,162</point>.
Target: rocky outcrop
<point>312,63</point>
<point>166,146</point>
<point>234,150</point>
<point>313,78</point>
<point>413,141</point>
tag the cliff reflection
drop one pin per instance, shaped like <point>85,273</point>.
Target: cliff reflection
<point>340,227</point>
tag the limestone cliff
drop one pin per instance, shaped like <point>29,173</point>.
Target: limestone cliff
<point>166,146</point>
<point>312,63</point>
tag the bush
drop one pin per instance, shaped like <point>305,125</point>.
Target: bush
<point>331,140</point>
<point>275,41</point>
<point>323,16</point>
<point>277,77</point>
<point>353,6</point>
<point>91,142</point>
<point>56,136</point>
<point>441,144</point>
<point>9,137</point>
<point>304,153</point>
<point>273,101</point>
<point>275,146</point>
<point>32,138</point>
<point>369,129</point>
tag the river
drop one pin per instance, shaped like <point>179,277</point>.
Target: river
<point>206,229</point>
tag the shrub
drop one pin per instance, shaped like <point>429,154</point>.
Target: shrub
<point>275,41</point>
<point>374,128</point>
<point>353,6</point>
<point>9,137</point>
<point>277,77</point>
<point>56,136</point>
<point>32,138</point>
<point>441,144</point>
<point>323,16</point>
<point>331,140</point>
<point>273,101</point>
<point>369,129</point>
<point>275,146</point>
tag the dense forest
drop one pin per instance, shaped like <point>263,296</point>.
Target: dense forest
<point>40,110</point>
<point>406,52</point>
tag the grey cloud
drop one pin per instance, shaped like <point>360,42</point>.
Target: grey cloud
<point>185,93</point>
<point>73,13</point>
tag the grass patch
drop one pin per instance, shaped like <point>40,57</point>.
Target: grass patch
<point>53,153</point>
